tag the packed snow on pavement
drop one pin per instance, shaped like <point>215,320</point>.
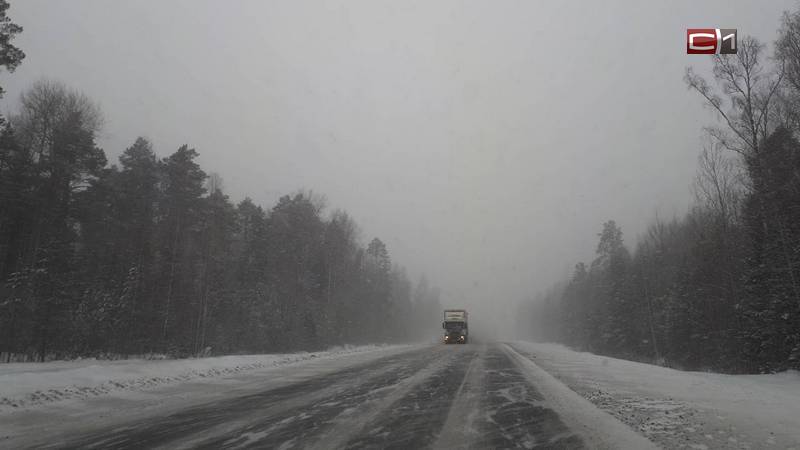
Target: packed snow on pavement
<point>28,385</point>
<point>674,409</point>
<point>471,396</point>
<point>679,409</point>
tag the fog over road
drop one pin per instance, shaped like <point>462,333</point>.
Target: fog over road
<point>435,396</point>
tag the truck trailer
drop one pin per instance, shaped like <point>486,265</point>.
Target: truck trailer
<point>455,326</point>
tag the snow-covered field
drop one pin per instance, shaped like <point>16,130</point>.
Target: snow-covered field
<point>678,409</point>
<point>28,385</point>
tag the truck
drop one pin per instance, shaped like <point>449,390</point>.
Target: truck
<point>455,326</point>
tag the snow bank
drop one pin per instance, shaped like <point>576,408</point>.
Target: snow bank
<point>682,409</point>
<point>25,385</point>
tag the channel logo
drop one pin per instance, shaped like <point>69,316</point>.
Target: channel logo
<point>711,41</point>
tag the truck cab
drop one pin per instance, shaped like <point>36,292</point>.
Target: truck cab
<point>456,330</point>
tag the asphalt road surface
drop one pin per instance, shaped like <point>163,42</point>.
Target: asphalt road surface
<point>440,396</point>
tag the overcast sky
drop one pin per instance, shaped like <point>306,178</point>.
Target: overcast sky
<point>484,142</point>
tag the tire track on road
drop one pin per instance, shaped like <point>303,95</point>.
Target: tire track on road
<point>313,421</point>
<point>350,422</point>
<point>415,420</point>
<point>515,414</point>
<point>460,430</point>
<point>235,413</point>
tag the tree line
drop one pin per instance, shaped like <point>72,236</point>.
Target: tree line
<point>719,288</point>
<point>151,256</point>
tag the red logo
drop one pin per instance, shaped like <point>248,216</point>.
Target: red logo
<point>710,41</point>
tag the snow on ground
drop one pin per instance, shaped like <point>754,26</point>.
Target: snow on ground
<point>27,385</point>
<point>678,409</point>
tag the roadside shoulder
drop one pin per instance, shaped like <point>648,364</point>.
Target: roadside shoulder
<point>676,408</point>
<point>599,429</point>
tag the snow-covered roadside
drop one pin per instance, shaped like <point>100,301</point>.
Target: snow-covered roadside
<point>679,409</point>
<point>28,385</point>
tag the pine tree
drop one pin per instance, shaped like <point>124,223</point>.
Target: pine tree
<point>10,55</point>
<point>772,215</point>
<point>179,216</point>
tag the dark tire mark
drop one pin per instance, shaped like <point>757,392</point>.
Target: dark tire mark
<point>515,416</point>
<point>162,430</point>
<point>299,426</point>
<point>416,420</point>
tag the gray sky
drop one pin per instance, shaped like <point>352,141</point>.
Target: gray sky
<point>484,142</point>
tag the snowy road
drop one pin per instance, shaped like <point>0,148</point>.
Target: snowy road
<point>464,396</point>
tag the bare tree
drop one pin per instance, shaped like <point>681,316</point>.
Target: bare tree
<point>56,127</point>
<point>46,107</point>
<point>787,51</point>
<point>719,183</point>
<point>787,47</point>
<point>750,90</point>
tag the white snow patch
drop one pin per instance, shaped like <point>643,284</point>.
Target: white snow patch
<point>679,409</point>
<point>26,385</point>
<point>598,429</point>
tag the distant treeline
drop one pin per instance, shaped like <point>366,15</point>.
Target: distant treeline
<point>719,288</point>
<point>152,256</point>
